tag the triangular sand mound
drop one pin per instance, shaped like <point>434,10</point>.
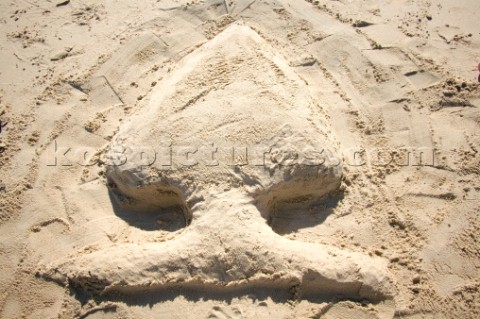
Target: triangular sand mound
<point>232,114</point>
<point>234,93</point>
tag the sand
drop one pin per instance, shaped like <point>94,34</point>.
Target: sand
<point>239,159</point>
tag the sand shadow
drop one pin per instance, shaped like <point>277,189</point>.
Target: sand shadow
<point>169,219</point>
<point>278,292</point>
<point>291,217</point>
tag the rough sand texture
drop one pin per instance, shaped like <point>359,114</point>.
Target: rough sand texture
<point>239,159</point>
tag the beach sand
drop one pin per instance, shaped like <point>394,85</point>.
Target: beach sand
<point>239,159</point>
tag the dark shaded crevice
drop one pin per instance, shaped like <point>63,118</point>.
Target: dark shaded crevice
<point>279,291</point>
<point>150,207</point>
<point>292,216</point>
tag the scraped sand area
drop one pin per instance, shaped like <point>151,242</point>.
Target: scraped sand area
<point>240,159</point>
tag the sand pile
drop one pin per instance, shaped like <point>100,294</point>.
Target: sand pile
<point>220,104</point>
<point>239,159</point>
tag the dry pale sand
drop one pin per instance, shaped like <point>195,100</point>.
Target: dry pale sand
<point>239,159</point>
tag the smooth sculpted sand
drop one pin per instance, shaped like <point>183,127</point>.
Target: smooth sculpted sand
<point>239,159</point>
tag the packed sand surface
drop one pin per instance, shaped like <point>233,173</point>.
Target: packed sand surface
<point>240,159</point>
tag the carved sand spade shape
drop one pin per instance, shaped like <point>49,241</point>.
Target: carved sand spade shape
<point>223,96</point>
